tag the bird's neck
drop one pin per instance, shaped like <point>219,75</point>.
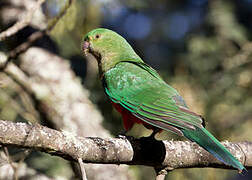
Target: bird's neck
<point>110,59</point>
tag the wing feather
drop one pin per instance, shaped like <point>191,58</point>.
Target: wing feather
<point>140,90</point>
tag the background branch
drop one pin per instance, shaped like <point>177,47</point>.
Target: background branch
<point>18,170</point>
<point>159,154</point>
<point>22,23</point>
<point>34,36</point>
<point>63,108</point>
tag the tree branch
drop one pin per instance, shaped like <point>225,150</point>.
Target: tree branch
<point>34,36</point>
<point>159,154</point>
<point>17,170</point>
<point>22,23</point>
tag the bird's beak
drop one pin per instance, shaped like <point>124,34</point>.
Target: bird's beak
<point>86,47</point>
<point>88,50</point>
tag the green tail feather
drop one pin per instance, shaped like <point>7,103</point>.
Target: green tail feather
<point>206,140</point>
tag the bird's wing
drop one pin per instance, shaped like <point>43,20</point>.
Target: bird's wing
<point>139,89</point>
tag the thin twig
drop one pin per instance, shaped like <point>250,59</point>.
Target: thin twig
<point>83,172</point>
<point>25,45</point>
<point>60,15</point>
<point>34,36</point>
<point>6,151</point>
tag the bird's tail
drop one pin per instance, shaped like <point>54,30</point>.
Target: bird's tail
<point>206,140</point>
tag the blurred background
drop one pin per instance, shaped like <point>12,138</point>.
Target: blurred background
<point>200,47</point>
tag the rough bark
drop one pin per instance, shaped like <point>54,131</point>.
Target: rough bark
<point>145,151</point>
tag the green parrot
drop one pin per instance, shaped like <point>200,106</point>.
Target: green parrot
<point>138,92</point>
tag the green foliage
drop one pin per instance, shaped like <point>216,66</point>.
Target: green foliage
<point>52,166</point>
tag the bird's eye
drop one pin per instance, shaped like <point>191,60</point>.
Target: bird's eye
<point>97,36</point>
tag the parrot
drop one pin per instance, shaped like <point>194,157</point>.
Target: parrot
<point>141,96</point>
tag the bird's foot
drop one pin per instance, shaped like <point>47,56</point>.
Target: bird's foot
<point>122,135</point>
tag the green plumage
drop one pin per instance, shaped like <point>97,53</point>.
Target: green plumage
<point>137,87</point>
<point>141,90</point>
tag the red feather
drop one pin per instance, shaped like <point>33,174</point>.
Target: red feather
<point>129,119</point>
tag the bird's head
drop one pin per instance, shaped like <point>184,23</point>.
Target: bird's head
<point>108,48</point>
